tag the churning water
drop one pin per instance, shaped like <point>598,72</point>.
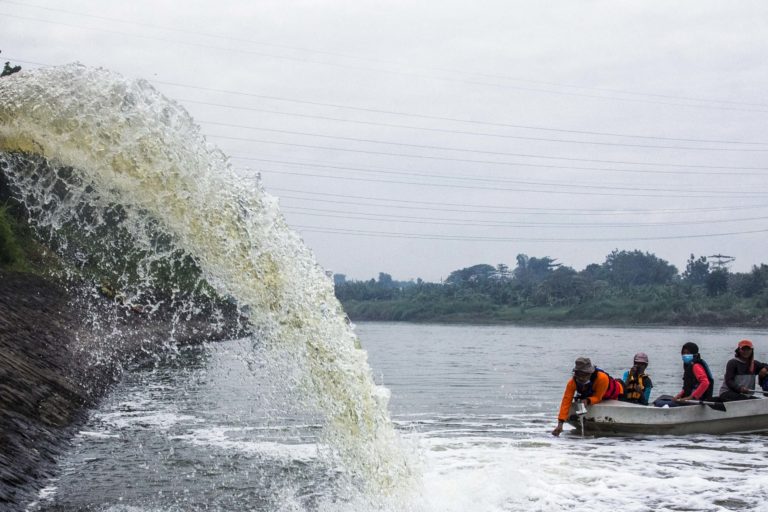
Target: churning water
<point>112,172</point>
<point>199,431</point>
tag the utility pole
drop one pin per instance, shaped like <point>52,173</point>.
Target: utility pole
<point>721,261</point>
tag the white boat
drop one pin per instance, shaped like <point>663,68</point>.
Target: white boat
<point>614,417</point>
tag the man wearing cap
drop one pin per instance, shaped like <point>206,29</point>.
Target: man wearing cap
<point>637,385</point>
<point>589,385</point>
<point>740,371</point>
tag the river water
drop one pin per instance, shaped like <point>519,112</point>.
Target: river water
<point>217,428</point>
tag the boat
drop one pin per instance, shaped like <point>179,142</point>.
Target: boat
<point>615,417</point>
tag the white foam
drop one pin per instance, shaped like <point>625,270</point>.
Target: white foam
<point>98,435</point>
<point>492,474</point>
<point>219,438</point>
<point>160,420</point>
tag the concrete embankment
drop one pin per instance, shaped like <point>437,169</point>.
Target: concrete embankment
<point>55,362</point>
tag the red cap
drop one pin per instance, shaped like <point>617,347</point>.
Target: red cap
<point>745,343</point>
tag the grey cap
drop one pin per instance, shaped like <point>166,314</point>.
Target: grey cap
<point>641,357</point>
<point>583,365</point>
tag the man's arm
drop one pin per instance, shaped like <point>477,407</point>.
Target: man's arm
<point>565,403</point>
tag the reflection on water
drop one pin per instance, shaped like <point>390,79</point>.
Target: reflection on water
<point>204,431</point>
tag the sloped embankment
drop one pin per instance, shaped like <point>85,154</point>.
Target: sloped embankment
<point>54,364</point>
<point>41,397</point>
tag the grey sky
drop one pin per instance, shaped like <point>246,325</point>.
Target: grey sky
<point>377,81</point>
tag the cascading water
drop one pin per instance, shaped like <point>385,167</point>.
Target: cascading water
<point>140,180</point>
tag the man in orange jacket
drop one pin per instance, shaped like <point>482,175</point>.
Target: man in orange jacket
<point>589,385</point>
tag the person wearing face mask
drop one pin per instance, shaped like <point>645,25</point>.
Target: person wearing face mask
<point>740,371</point>
<point>589,385</point>
<point>636,383</point>
<point>698,382</point>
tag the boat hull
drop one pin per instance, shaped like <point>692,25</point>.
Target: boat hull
<point>613,417</point>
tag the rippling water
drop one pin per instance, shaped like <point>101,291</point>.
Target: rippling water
<point>203,431</point>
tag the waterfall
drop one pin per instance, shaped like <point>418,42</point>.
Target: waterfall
<point>94,156</point>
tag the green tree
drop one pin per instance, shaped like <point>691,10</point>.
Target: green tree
<point>502,272</point>
<point>594,272</point>
<point>385,281</point>
<point>696,270</point>
<point>717,282</point>
<point>474,274</point>
<point>9,70</point>
<point>531,270</point>
<point>752,284</point>
<point>636,268</point>
<point>562,286</point>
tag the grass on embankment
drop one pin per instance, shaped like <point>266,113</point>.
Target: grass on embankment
<point>11,254</point>
<point>19,251</point>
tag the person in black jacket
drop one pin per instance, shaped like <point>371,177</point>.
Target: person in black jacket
<point>739,380</point>
<point>698,383</point>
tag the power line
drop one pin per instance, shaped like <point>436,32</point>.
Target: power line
<point>486,162</point>
<point>386,234</point>
<point>445,118</point>
<point>674,194</point>
<point>452,132</point>
<point>367,59</point>
<point>175,41</point>
<point>316,197</point>
<point>698,103</point>
<point>436,118</point>
<point>28,61</point>
<point>485,152</point>
<point>355,215</point>
<point>484,179</point>
<point>465,178</point>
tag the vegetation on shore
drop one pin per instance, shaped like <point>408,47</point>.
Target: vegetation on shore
<point>628,288</point>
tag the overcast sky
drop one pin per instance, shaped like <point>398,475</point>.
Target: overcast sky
<point>417,138</point>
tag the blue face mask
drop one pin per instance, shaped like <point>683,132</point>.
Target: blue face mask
<point>687,358</point>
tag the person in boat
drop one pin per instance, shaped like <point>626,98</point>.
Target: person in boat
<point>740,372</point>
<point>636,383</point>
<point>698,382</point>
<point>589,385</point>
<point>762,381</point>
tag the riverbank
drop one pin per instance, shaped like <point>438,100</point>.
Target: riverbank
<point>60,350</point>
<point>723,311</point>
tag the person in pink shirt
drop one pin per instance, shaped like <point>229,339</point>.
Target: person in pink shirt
<point>698,382</point>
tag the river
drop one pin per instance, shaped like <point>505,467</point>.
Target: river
<point>217,428</point>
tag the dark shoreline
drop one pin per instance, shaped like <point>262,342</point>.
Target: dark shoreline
<point>380,311</point>
<point>55,364</point>
<point>564,323</point>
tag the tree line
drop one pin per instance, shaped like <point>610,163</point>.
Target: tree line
<point>629,286</point>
